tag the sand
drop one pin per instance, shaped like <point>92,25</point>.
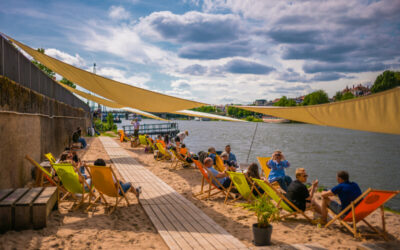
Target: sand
<point>129,227</point>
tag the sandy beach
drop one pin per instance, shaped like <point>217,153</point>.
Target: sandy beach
<point>129,227</point>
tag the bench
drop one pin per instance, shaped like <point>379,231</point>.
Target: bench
<point>24,208</point>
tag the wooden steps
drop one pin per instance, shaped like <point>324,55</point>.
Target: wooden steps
<point>179,222</point>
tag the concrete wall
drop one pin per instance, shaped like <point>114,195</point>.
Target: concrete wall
<point>33,124</point>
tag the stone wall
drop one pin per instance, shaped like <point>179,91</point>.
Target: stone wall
<point>32,124</point>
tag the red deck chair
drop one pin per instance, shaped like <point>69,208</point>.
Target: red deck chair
<point>363,206</point>
<point>207,176</point>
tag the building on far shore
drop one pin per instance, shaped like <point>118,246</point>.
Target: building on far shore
<point>260,102</point>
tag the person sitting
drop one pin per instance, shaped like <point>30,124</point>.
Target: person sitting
<point>231,156</point>
<point>277,165</point>
<point>177,142</point>
<point>73,159</point>
<point>222,177</point>
<point>229,165</point>
<point>298,193</point>
<point>347,192</point>
<point>161,141</point>
<point>182,135</point>
<point>127,186</point>
<point>212,154</point>
<point>76,137</point>
<point>167,141</point>
<point>254,172</point>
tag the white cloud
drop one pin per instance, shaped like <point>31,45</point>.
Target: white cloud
<point>65,57</point>
<point>118,13</point>
<point>137,80</point>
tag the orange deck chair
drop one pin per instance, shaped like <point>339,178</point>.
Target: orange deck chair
<point>368,202</point>
<point>178,161</point>
<point>206,176</point>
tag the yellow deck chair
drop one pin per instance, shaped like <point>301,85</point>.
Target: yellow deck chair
<point>281,201</point>
<point>142,140</point>
<point>239,180</point>
<point>151,144</point>
<point>103,181</point>
<point>178,161</point>
<point>263,163</point>
<point>50,157</point>
<point>46,174</point>
<point>363,206</point>
<point>71,181</point>
<point>219,163</point>
<point>165,156</point>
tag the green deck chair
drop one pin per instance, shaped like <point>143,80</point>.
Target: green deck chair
<point>239,180</point>
<point>281,201</point>
<point>142,140</point>
<point>151,144</point>
<point>50,157</point>
<point>70,181</point>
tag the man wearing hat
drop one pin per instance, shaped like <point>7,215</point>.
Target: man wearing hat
<point>298,193</point>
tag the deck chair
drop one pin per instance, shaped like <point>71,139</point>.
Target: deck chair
<point>142,140</point>
<point>282,202</point>
<point>151,144</point>
<point>103,181</point>
<point>46,174</point>
<point>363,206</point>
<point>50,157</point>
<point>211,180</point>
<point>70,181</point>
<point>122,137</point>
<point>239,180</point>
<point>178,161</point>
<point>263,163</point>
<point>219,163</point>
<point>165,156</point>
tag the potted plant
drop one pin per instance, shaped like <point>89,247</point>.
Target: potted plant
<point>266,212</point>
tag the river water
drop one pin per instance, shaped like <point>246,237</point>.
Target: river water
<point>372,159</point>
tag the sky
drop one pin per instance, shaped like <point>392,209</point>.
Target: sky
<point>216,51</point>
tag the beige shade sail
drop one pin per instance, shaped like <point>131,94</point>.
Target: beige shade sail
<point>375,113</point>
<point>206,115</point>
<point>124,94</point>
<point>108,103</point>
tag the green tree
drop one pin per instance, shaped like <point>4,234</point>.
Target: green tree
<point>285,102</point>
<point>46,70</point>
<point>338,96</point>
<point>68,82</point>
<point>347,96</point>
<point>316,97</point>
<point>386,80</point>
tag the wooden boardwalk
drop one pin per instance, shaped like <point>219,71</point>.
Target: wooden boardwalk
<point>180,223</point>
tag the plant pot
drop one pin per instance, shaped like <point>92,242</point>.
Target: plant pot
<point>262,235</point>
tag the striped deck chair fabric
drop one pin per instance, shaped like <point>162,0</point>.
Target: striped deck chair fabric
<point>363,206</point>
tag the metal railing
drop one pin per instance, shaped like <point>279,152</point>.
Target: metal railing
<point>170,128</point>
<point>15,66</point>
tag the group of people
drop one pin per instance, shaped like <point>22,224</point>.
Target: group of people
<point>295,191</point>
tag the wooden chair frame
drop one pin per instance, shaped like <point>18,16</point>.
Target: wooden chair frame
<point>352,207</point>
<point>117,199</point>
<point>178,160</point>
<point>287,201</point>
<point>211,186</point>
<point>165,156</point>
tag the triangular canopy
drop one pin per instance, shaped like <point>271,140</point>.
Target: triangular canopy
<point>108,103</point>
<point>124,94</point>
<point>375,113</point>
<point>206,115</point>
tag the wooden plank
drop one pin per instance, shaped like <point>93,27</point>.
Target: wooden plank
<point>7,209</point>
<point>23,209</point>
<point>5,192</point>
<point>42,207</point>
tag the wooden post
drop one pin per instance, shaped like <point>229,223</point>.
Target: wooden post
<point>383,221</point>
<point>353,213</point>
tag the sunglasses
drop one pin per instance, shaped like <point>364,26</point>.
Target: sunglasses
<point>305,175</point>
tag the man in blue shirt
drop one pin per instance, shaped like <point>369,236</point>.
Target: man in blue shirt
<point>231,156</point>
<point>277,164</point>
<point>222,177</point>
<point>347,192</point>
<point>212,154</point>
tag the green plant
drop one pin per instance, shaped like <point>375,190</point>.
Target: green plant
<point>264,209</point>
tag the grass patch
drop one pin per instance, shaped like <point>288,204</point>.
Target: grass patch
<point>109,134</point>
<point>391,210</point>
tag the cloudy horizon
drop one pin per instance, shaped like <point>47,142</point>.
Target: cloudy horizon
<point>218,51</point>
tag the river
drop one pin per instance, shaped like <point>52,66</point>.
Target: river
<point>372,159</point>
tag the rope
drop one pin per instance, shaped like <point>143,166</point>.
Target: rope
<point>251,145</point>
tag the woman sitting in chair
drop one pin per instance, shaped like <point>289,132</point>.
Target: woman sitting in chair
<point>277,164</point>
